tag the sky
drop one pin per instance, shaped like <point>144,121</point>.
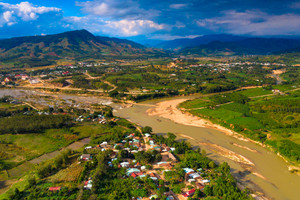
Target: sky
<point>151,19</point>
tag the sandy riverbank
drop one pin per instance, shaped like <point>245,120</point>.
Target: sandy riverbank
<point>169,110</point>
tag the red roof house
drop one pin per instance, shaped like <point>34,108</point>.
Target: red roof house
<point>54,188</point>
<point>189,193</point>
<point>136,174</point>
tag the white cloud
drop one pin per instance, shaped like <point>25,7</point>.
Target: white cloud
<point>253,22</point>
<point>8,18</point>
<point>122,28</point>
<point>116,9</point>
<point>134,27</point>
<point>24,11</point>
<point>178,6</point>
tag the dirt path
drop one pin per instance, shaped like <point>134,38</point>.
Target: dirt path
<point>104,81</point>
<point>35,108</point>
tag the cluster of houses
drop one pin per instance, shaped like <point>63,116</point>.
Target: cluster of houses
<point>155,172</point>
<point>13,80</point>
<point>100,118</point>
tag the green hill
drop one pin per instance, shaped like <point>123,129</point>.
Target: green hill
<point>72,44</point>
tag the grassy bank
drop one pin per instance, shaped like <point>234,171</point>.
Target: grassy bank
<point>272,119</point>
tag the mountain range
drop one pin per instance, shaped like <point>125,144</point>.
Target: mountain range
<point>72,44</point>
<point>222,45</point>
<point>83,44</point>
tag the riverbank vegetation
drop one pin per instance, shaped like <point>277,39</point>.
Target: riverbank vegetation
<point>271,119</point>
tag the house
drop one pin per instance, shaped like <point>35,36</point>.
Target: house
<point>7,79</point>
<point>191,180</point>
<point>206,181</point>
<point>103,144</point>
<point>136,140</point>
<point>194,176</point>
<point>154,176</point>
<point>162,163</point>
<point>199,186</point>
<point>189,193</point>
<point>125,164</point>
<point>136,174</point>
<point>86,157</point>
<point>54,188</point>
<point>88,184</point>
<point>131,170</point>
<point>157,148</point>
<point>24,77</point>
<point>151,142</point>
<point>34,81</point>
<point>147,135</point>
<point>188,170</point>
<point>165,148</point>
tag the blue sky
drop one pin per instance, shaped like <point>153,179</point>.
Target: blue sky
<point>151,19</point>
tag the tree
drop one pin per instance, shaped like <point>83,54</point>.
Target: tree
<point>109,114</point>
<point>171,138</point>
<point>158,157</point>
<point>198,194</point>
<point>113,93</point>
<point>225,168</point>
<point>31,181</point>
<point>212,164</point>
<point>147,129</point>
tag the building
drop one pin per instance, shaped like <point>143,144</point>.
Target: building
<point>34,81</point>
<point>24,77</point>
<point>86,157</point>
<point>136,174</point>
<point>189,193</point>
<point>7,79</point>
<point>53,189</point>
<point>125,164</point>
<point>88,184</point>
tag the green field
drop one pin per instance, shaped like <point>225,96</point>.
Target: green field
<point>275,115</point>
<point>197,103</point>
<point>255,92</point>
<point>17,148</point>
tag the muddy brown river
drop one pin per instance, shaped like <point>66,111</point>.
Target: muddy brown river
<point>268,175</point>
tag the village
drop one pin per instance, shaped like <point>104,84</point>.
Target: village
<point>160,171</point>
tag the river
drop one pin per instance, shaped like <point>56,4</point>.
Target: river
<point>269,175</point>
